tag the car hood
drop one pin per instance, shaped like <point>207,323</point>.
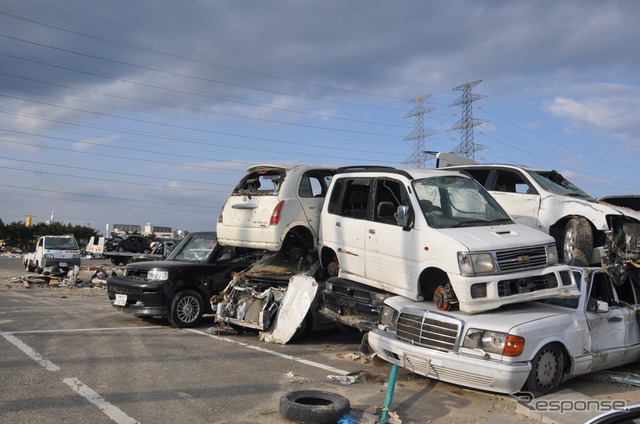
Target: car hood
<point>167,265</point>
<point>503,319</point>
<point>498,237</point>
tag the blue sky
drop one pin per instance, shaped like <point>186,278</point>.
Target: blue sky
<point>136,111</point>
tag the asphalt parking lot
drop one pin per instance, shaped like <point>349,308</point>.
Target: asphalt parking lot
<point>69,357</point>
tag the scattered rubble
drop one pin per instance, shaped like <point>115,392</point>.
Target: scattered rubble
<point>77,277</point>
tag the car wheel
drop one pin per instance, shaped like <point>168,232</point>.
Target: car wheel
<point>39,268</point>
<point>577,242</point>
<point>313,406</point>
<point>547,369</point>
<point>186,309</point>
<point>443,297</point>
<point>120,249</point>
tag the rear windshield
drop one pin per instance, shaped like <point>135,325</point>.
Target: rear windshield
<point>264,182</point>
<point>59,243</point>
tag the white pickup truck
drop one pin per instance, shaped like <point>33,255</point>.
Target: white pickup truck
<point>53,255</point>
<point>532,346</point>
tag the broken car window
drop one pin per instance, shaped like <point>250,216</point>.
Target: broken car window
<point>454,201</point>
<point>555,183</point>
<point>261,183</point>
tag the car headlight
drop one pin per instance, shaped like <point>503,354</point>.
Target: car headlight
<point>388,318</point>
<point>476,263</point>
<point>494,342</point>
<point>157,274</point>
<point>552,254</point>
<point>48,255</point>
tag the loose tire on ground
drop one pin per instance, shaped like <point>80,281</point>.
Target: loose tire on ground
<point>577,242</point>
<point>186,309</point>
<point>313,406</point>
<point>547,369</point>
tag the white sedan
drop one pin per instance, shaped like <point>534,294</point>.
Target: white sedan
<point>530,346</point>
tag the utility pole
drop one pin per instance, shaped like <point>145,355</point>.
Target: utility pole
<point>418,158</point>
<point>465,125</point>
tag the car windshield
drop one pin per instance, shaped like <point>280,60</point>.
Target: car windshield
<point>554,182</point>
<point>60,243</point>
<point>262,182</point>
<point>196,247</point>
<point>457,201</point>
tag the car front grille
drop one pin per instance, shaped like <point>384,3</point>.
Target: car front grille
<point>521,259</point>
<point>429,330</point>
<point>529,284</point>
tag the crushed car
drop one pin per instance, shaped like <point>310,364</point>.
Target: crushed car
<point>531,346</point>
<point>180,286</point>
<point>276,296</point>
<point>587,232</point>
<point>275,208</point>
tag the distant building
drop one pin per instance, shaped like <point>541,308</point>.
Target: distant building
<point>126,228</point>
<point>149,229</point>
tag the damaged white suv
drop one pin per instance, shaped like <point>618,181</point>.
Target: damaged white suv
<point>275,207</point>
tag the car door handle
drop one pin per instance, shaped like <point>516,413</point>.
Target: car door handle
<point>615,319</point>
<point>372,231</point>
<point>338,224</point>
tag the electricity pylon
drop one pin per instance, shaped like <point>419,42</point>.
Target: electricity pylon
<point>419,134</point>
<point>465,125</point>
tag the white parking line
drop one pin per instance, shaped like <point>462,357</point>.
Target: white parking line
<point>273,352</point>
<point>110,411</point>
<point>30,352</point>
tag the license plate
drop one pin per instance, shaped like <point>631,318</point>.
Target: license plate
<point>62,264</point>
<point>121,300</point>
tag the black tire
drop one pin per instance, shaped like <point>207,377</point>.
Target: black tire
<point>186,309</point>
<point>313,406</point>
<point>39,268</point>
<point>577,242</point>
<point>547,369</point>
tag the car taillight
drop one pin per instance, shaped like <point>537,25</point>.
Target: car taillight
<point>275,215</point>
<point>221,212</point>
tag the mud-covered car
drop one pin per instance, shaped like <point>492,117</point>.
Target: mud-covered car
<point>179,287</point>
<point>128,243</point>
<point>531,346</point>
<point>276,296</point>
<point>587,232</point>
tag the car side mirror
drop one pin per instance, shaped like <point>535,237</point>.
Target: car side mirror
<point>402,216</point>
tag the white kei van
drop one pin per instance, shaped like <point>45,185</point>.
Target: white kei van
<point>435,234</point>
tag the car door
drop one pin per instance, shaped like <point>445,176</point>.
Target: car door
<point>517,196</point>
<point>389,248</point>
<point>607,322</point>
<point>343,227</point>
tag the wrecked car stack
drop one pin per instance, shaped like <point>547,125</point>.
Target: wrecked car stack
<point>447,283</point>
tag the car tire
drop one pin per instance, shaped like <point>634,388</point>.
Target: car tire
<point>186,309</point>
<point>547,369</point>
<point>39,268</point>
<point>313,406</point>
<point>577,242</point>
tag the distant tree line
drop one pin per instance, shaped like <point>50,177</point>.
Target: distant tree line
<point>17,234</point>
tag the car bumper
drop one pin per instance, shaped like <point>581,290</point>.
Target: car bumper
<point>55,262</point>
<point>252,238</point>
<point>143,298</point>
<point>484,293</point>
<point>451,367</point>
